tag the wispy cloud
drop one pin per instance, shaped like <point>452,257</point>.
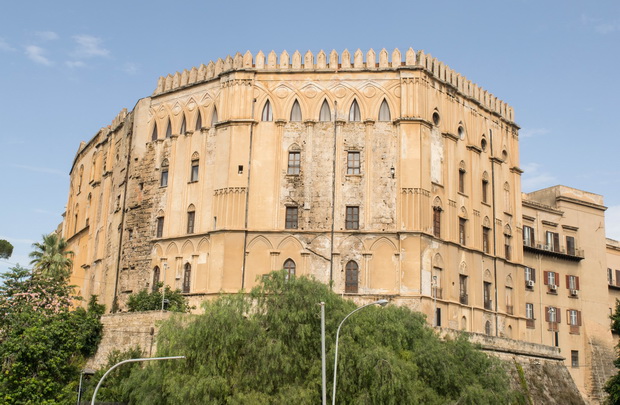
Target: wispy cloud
<point>89,46</point>
<point>600,26</point>
<point>532,132</point>
<point>534,177</point>
<point>612,222</point>
<point>73,64</point>
<point>131,68</point>
<point>46,35</point>
<point>4,46</point>
<point>36,54</point>
<point>41,169</point>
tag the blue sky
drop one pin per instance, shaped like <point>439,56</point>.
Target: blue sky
<point>68,67</point>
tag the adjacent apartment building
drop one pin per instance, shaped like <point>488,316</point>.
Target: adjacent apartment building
<point>386,175</point>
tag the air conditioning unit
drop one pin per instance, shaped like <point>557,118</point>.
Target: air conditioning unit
<point>553,287</point>
<point>529,283</point>
<point>573,293</point>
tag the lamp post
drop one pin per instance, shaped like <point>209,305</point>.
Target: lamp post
<point>380,302</point>
<point>163,288</point>
<point>130,361</point>
<point>86,371</point>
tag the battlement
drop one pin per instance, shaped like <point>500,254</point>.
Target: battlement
<point>336,63</point>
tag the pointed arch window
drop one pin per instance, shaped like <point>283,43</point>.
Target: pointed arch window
<point>384,112</point>
<point>163,179</point>
<point>183,129</point>
<point>289,267</point>
<point>154,134</point>
<point>191,218</point>
<point>352,278</point>
<point>214,119</point>
<point>296,112</point>
<point>267,114</point>
<point>325,115</point>
<point>354,112</point>
<point>155,285</point>
<point>195,168</point>
<point>198,122</point>
<point>187,275</point>
<point>169,130</point>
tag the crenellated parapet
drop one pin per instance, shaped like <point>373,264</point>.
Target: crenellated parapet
<point>322,62</point>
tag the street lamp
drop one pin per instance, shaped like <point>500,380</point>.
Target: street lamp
<point>380,302</point>
<point>86,371</point>
<point>129,361</point>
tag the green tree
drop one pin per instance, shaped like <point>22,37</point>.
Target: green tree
<point>51,258</point>
<point>6,249</point>
<point>612,387</point>
<point>43,338</point>
<point>264,348</point>
<point>151,301</point>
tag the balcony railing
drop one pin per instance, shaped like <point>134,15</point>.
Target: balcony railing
<point>554,250</point>
<point>464,299</point>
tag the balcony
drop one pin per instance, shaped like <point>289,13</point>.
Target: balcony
<point>488,304</point>
<point>464,299</point>
<point>555,251</point>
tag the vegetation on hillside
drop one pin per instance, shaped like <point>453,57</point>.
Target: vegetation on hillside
<point>152,301</point>
<point>265,348</point>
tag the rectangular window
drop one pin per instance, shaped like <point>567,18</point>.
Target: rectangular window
<point>353,218</point>
<point>488,303</point>
<point>291,217</point>
<point>570,245</point>
<point>574,321</point>
<point>529,315</point>
<point>437,222</point>
<point>294,163</point>
<point>486,234</point>
<point>552,279</point>
<point>574,358</point>
<point>553,241</point>
<point>462,234</point>
<point>530,274</point>
<point>610,277</point>
<point>353,162</point>
<point>191,216</point>
<point>160,227</point>
<point>194,174</point>
<point>463,298</point>
<point>507,250</point>
<point>485,191</point>
<point>509,307</point>
<point>163,182</point>
<point>572,282</point>
<point>528,236</point>
<point>552,315</point>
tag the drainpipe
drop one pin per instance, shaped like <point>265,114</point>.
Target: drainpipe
<point>331,243</point>
<point>247,198</point>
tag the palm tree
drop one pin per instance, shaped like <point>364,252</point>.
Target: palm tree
<point>50,258</point>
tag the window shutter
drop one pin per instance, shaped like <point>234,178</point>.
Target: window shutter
<point>558,313</point>
<point>546,277</point>
<point>568,316</point>
<point>579,318</point>
<point>567,281</point>
<point>557,279</point>
<point>546,314</point>
<point>577,282</point>
<point>533,275</point>
<point>618,277</point>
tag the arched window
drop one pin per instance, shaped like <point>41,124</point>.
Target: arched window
<point>384,112</point>
<point>485,187</point>
<point>80,178</point>
<point>191,218</point>
<point>487,328</point>
<point>187,274</point>
<point>154,134</point>
<point>169,129</point>
<point>194,168</point>
<point>155,285</point>
<point>267,114</point>
<point>351,277</point>
<point>289,266</point>
<point>296,112</point>
<point>183,129</point>
<point>354,112</point>
<point>159,226</point>
<point>462,172</point>
<point>325,114</point>
<point>163,179</point>
<point>214,119</point>
<point>198,122</point>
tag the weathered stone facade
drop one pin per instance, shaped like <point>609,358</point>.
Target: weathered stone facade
<point>384,177</point>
